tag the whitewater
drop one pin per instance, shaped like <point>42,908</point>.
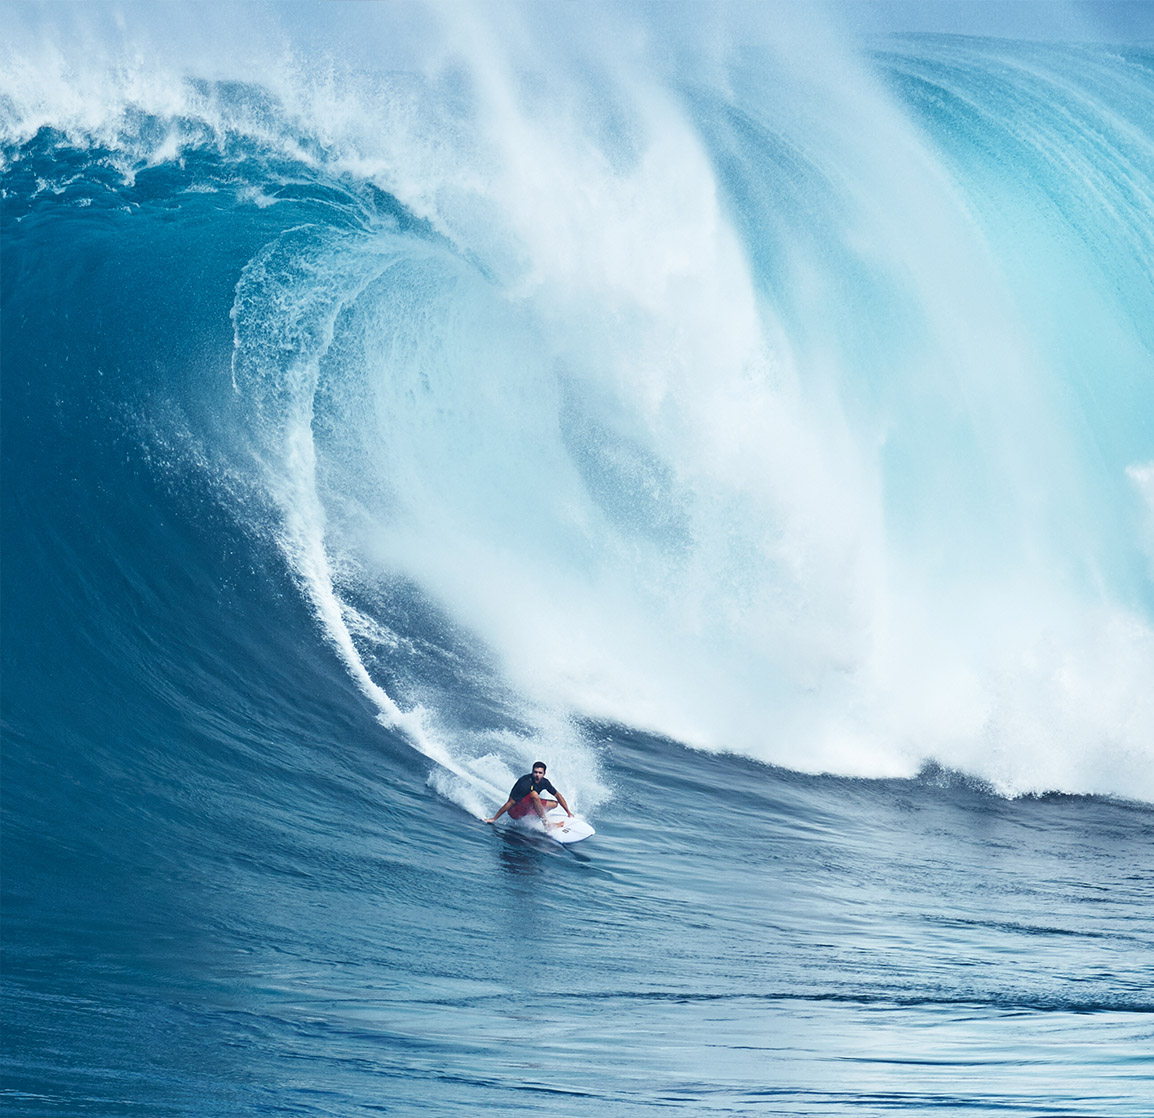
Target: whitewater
<point>747,409</point>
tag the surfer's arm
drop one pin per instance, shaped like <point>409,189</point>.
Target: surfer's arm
<point>504,808</point>
<point>561,801</point>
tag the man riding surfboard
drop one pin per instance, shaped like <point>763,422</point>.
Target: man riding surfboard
<point>526,797</point>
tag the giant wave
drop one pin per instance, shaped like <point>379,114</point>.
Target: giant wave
<point>753,423</point>
<point>796,410</point>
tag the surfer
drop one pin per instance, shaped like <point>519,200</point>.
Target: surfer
<point>526,797</point>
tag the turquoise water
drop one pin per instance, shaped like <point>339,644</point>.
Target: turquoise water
<point>752,422</point>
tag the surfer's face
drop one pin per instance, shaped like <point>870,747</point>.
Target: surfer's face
<point>538,774</point>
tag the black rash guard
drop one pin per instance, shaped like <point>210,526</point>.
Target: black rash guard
<point>527,784</point>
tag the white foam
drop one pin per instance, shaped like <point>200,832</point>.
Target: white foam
<point>832,528</point>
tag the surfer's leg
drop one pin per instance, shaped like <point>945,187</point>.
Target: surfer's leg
<point>543,807</point>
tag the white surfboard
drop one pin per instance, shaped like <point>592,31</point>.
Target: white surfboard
<point>559,827</point>
<point>571,829</point>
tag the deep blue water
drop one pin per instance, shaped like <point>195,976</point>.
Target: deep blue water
<point>768,444</point>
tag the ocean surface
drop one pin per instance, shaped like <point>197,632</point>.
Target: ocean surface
<point>751,417</point>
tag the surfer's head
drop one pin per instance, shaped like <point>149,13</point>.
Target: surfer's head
<point>538,768</point>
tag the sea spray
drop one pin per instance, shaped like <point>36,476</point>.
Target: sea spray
<point>760,403</point>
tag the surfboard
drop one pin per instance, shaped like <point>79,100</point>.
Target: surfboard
<point>571,830</point>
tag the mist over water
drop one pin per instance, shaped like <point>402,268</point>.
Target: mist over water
<point>792,402</point>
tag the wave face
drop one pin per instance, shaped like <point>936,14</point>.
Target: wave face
<point>797,410</point>
<point>761,435</point>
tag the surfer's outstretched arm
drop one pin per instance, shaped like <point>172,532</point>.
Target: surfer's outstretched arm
<point>561,801</point>
<point>501,811</point>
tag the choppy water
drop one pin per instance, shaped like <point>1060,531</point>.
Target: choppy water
<point>763,436</point>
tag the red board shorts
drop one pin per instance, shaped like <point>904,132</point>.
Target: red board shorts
<point>522,808</point>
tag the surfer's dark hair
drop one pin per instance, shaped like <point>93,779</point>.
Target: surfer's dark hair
<point>540,765</point>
